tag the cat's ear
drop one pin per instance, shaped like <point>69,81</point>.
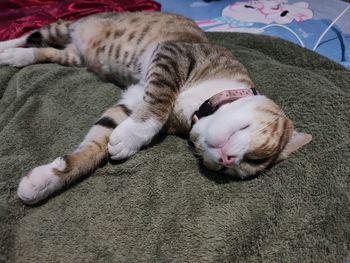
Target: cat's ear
<point>298,140</point>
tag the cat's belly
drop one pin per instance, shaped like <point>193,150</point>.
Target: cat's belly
<point>108,55</point>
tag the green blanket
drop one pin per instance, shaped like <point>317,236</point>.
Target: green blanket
<point>160,206</point>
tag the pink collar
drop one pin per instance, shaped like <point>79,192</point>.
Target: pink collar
<point>219,99</point>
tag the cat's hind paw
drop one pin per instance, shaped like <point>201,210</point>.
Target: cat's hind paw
<point>17,57</point>
<point>41,182</point>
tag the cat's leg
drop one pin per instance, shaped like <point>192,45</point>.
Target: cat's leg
<point>44,180</point>
<point>20,57</point>
<point>17,42</point>
<point>50,43</point>
<point>161,88</point>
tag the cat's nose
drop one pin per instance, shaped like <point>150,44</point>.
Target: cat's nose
<point>227,159</point>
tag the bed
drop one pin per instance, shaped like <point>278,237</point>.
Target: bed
<point>161,205</point>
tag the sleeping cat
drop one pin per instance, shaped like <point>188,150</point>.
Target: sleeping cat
<point>177,83</point>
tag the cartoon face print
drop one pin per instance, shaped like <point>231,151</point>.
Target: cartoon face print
<point>268,11</point>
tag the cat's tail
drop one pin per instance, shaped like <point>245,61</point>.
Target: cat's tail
<point>44,180</point>
<point>56,35</point>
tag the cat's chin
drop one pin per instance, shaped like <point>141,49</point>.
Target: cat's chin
<point>230,171</point>
<point>212,166</point>
<point>237,173</point>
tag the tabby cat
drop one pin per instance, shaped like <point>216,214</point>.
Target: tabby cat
<point>177,82</point>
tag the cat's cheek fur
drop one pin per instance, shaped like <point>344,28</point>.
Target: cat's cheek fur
<point>41,182</point>
<point>130,136</point>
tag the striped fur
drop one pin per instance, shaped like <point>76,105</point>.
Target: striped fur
<point>93,150</point>
<point>170,69</point>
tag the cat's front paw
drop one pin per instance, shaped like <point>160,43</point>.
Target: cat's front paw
<point>129,137</point>
<point>40,182</point>
<point>123,142</point>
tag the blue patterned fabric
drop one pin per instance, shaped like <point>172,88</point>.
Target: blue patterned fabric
<point>308,19</point>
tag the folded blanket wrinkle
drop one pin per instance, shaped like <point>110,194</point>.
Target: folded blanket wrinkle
<point>156,209</point>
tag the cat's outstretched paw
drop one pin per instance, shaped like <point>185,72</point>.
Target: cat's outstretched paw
<point>123,142</point>
<point>130,136</point>
<point>17,57</point>
<point>41,182</point>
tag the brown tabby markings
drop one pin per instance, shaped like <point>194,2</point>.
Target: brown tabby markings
<point>135,19</point>
<point>131,36</point>
<point>122,55</point>
<point>56,35</point>
<point>89,156</point>
<point>118,33</point>
<point>64,57</point>
<point>273,134</point>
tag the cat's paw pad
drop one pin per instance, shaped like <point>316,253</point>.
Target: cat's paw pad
<point>17,57</point>
<point>41,182</point>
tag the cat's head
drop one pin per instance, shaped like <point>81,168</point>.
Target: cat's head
<point>245,137</point>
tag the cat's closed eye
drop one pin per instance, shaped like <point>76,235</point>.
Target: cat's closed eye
<point>245,127</point>
<point>255,161</point>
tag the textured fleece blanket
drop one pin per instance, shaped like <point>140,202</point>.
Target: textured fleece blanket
<point>160,205</point>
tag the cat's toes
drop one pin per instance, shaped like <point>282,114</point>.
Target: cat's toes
<point>121,151</point>
<point>41,182</point>
<point>17,57</point>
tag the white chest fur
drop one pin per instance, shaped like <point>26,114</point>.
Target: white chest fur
<point>190,99</point>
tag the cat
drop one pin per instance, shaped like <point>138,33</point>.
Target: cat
<point>177,83</point>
